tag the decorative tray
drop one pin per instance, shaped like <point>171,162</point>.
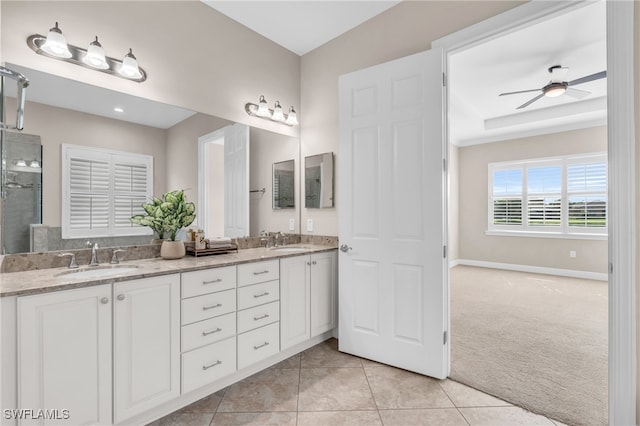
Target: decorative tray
<point>209,251</point>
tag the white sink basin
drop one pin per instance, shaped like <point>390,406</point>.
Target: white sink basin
<point>97,272</point>
<point>289,249</point>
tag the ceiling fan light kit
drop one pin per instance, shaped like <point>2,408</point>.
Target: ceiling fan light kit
<point>558,87</point>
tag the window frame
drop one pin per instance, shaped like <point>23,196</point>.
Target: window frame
<point>112,157</point>
<point>547,231</point>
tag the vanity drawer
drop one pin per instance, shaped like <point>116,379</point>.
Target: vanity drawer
<point>258,316</point>
<point>208,331</point>
<point>258,344</point>
<point>208,364</point>
<point>208,306</point>
<point>258,272</point>
<point>208,281</point>
<point>258,294</point>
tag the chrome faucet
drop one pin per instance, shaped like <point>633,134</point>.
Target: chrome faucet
<point>74,263</point>
<point>94,253</point>
<point>114,258</point>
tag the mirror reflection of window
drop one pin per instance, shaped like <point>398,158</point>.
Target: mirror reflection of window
<point>318,181</point>
<point>284,185</point>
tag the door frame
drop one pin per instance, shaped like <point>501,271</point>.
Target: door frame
<point>203,172</point>
<point>621,157</point>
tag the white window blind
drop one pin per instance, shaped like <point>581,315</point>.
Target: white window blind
<point>559,196</point>
<point>101,191</point>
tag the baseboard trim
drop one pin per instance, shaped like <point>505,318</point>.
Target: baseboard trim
<point>533,269</point>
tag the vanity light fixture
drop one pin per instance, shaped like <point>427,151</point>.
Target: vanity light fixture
<point>55,46</point>
<point>276,114</point>
<point>21,163</point>
<point>34,164</point>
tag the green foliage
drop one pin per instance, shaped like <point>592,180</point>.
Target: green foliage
<point>168,214</point>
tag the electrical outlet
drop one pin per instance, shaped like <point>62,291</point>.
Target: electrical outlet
<point>572,254</point>
<point>292,224</point>
<point>309,225</point>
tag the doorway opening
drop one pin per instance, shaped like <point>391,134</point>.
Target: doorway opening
<point>528,286</point>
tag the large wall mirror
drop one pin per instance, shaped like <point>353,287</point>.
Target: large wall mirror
<point>318,181</point>
<point>62,111</point>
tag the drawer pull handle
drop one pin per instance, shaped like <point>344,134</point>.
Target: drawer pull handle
<point>206,333</point>
<point>266,271</point>
<point>261,317</point>
<point>261,346</point>
<point>206,367</point>
<point>217,305</point>
<point>266,293</point>
<point>217,280</point>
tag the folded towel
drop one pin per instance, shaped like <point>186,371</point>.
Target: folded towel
<point>219,240</point>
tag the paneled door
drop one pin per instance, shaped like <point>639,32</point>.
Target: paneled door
<point>236,180</point>
<point>393,296</point>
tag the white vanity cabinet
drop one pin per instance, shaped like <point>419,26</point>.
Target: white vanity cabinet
<point>146,340</point>
<point>64,353</point>
<point>308,296</point>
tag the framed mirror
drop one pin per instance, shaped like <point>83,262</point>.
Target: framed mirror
<point>284,185</point>
<point>318,181</point>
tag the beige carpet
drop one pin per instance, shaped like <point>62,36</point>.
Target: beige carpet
<point>537,341</point>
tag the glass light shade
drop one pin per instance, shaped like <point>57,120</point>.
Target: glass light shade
<point>278,115</point>
<point>56,44</point>
<point>21,163</point>
<point>34,164</point>
<point>292,118</point>
<point>263,109</point>
<point>554,92</point>
<point>95,56</point>
<point>129,66</point>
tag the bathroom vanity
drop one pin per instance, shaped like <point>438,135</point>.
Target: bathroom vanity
<point>131,347</point>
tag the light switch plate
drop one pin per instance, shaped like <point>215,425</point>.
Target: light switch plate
<point>309,225</point>
<point>292,224</point>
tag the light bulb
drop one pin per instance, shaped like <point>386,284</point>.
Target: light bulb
<point>263,109</point>
<point>129,66</point>
<point>95,56</point>
<point>34,164</point>
<point>21,163</point>
<point>56,44</point>
<point>292,118</point>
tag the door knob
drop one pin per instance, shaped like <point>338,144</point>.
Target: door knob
<point>345,248</point>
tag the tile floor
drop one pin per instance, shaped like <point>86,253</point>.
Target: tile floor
<point>322,386</point>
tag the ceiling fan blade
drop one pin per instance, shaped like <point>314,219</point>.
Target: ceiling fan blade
<point>558,74</point>
<point>585,79</point>
<point>577,93</point>
<point>526,104</point>
<point>521,91</point>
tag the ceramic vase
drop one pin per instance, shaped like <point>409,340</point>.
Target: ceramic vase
<point>172,249</point>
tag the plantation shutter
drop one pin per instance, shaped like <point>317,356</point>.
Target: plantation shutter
<point>544,195</point>
<point>101,191</point>
<point>587,194</point>
<point>507,197</point>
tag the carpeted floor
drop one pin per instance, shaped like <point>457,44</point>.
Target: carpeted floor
<point>537,341</point>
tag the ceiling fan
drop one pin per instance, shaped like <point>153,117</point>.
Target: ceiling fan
<point>557,86</point>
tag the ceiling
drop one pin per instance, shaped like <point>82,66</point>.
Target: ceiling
<point>300,25</point>
<point>519,61</point>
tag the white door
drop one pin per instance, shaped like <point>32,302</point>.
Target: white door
<point>236,181</point>
<point>64,355</point>
<point>146,344</point>
<point>393,294</point>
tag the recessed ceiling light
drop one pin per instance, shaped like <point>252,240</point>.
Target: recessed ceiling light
<point>118,109</point>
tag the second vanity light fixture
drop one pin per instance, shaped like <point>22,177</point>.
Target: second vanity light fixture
<point>276,114</point>
<point>55,46</point>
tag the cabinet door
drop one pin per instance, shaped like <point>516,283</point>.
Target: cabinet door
<point>295,300</point>
<point>64,354</point>
<point>146,344</point>
<point>324,292</point>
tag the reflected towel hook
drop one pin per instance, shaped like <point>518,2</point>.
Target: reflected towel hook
<point>263,190</point>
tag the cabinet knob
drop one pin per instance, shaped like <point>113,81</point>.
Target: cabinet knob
<point>104,300</point>
<point>121,297</point>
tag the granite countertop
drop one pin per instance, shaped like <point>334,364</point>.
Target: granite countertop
<point>55,279</point>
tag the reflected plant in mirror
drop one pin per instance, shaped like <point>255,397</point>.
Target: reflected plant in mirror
<point>318,181</point>
<point>284,185</point>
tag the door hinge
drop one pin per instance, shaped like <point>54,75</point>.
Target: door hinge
<point>444,164</point>
<point>444,338</point>
<point>444,251</point>
<point>444,80</point>
<point>611,267</point>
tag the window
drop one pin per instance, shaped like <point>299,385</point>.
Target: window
<point>552,196</point>
<point>101,190</point>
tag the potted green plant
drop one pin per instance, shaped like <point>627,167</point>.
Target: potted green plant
<point>153,219</point>
<point>168,215</point>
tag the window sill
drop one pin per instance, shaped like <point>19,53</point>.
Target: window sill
<point>558,235</point>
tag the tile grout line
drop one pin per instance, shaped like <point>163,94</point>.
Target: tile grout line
<point>452,402</point>
<point>364,370</point>
<point>298,398</point>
